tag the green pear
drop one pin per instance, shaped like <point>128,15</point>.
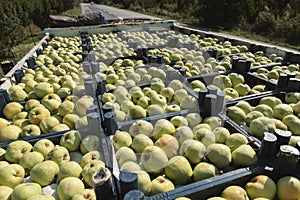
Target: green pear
<point>37,114</point>
<point>85,194</point>
<point>5,192</point>
<point>282,110</point>
<point>259,88</point>
<point>136,112</point>
<point>235,140</point>
<point>205,136</point>
<point>293,124</point>
<point>288,187</point>
<point>189,102</point>
<point>157,86</point>
<point>251,116</point>
<point>126,105</point>
<point>140,142</point>
<point>242,89</point>
<point>221,134</point>
<point>235,192</point>
<point>183,133</point>
<point>292,97</point>
<point>89,143</point>
<point>231,93</point>
<point>90,169</point>
<point>264,109</point>
<point>179,170</point>
<point>219,155</point>
<point>41,197</point>
<point>2,154</point>
<point>11,132</point>
<point>261,125</point>
<point>162,126</point>
<point>25,191</point>
<point>30,159</point>
<point>15,150</point>
<point>161,184</point>
<point>216,198</point>
<point>69,187</point>
<point>168,144</point>
<point>32,103</point>
<point>213,122</point>
<point>155,109</point>
<point>154,159</point>
<point>58,154</point>
<point>120,139</point>
<point>30,130</point>
<point>204,170</point>
<point>43,146</point>
<point>88,157</point>
<point>270,101</point>
<point>144,182</point>
<point>141,127</point>
<point>172,108</point>
<point>236,114</point>
<point>12,175</point>
<point>193,150</point>
<point>48,123</point>
<point>17,95</point>
<point>125,154</point>
<point>44,173</point>
<point>293,140</point>
<point>21,115</point>
<point>71,140</point>
<point>296,108</point>
<point>180,95</point>
<point>193,119</point>
<point>178,121</point>
<point>11,109</point>
<point>130,166</point>
<point>168,93</point>
<point>197,84</point>
<point>83,103</point>
<point>70,120</point>
<point>42,89</point>
<point>3,123</point>
<point>244,156</point>
<point>236,78</point>
<point>21,123</point>
<point>175,84</point>
<point>245,106</point>
<point>69,169</point>
<point>66,107</point>
<point>52,105</point>
<point>222,81</point>
<point>279,124</point>
<point>144,102</point>
<point>261,186</point>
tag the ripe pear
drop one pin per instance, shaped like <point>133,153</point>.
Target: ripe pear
<point>261,186</point>
<point>11,132</point>
<point>213,122</point>
<point>168,144</point>
<point>288,187</point>
<point>2,154</point>
<point>282,110</point>
<point>162,126</point>
<point>140,142</point>
<point>244,156</point>
<point>85,194</point>
<point>58,154</point>
<point>25,191</point>
<point>193,119</point>
<point>12,175</point>
<point>3,123</point>
<point>292,97</point>
<point>120,139</point>
<point>251,116</point>
<point>136,112</point>
<point>5,192</point>
<point>30,159</point>
<point>179,170</point>
<point>11,109</point>
<point>88,157</point>
<point>45,172</point>
<point>153,159</point>
<point>178,121</point>
<point>155,109</point>
<point>183,133</point>
<point>69,187</point>
<point>69,169</point>
<point>235,140</point>
<point>193,150</point>
<point>219,155</point>
<point>172,108</point>
<point>141,127</point>
<point>221,134</point>
<point>144,182</point>
<point>90,169</point>
<point>279,124</point>
<point>236,78</point>
<point>43,146</point>
<point>236,114</point>
<point>235,192</point>
<point>130,166</point>
<point>15,150</point>
<point>161,184</point>
<point>125,154</point>
<point>175,84</point>
<point>245,106</point>
<point>261,125</point>
<point>293,123</point>
<point>204,170</point>
<point>205,136</point>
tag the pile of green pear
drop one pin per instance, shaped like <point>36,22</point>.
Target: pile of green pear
<point>47,171</point>
<point>128,73</point>
<point>156,98</point>
<point>170,153</point>
<point>274,74</point>
<point>269,114</point>
<point>262,187</point>
<point>51,114</point>
<point>234,86</point>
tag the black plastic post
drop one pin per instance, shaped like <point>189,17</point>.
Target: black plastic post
<point>91,109</point>
<point>2,104</point>
<point>84,55</point>
<point>293,85</point>
<point>103,185</point>
<point>39,52</point>
<point>84,46</point>
<point>107,108</point>
<point>220,104</point>
<point>298,145</point>
<point>234,67</point>
<point>149,58</point>
<point>31,62</point>
<point>268,144</point>
<point>5,94</point>
<point>44,45</point>
<point>101,86</point>
<point>93,121</point>
<point>128,182</point>
<point>160,59</point>
<point>145,51</point>
<point>18,74</point>
<point>286,162</point>
<point>183,72</point>
<point>201,96</point>
<point>134,195</point>
<point>110,123</point>
<point>153,59</point>
<point>95,67</point>
<point>283,138</point>
<point>139,52</point>
<point>89,87</point>
<point>248,65</point>
<point>212,89</point>
<point>282,81</point>
<point>209,105</point>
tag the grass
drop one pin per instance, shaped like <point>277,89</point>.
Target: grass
<point>73,12</point>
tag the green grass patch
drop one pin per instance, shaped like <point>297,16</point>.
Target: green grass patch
<point>73,12</point>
